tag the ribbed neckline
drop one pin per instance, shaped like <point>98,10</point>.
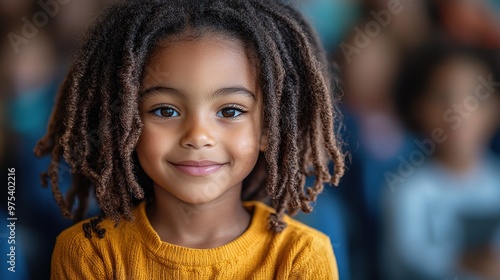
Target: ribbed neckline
<point>167,253</point>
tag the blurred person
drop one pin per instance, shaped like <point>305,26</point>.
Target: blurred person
<point>442,217</point>
<point>19,269</point>
<point>369,109</point>
<point>469,21</point>
<point>32,76</point>
<point>331,19</point>
<point>30,80</point>
<point>375,140</point>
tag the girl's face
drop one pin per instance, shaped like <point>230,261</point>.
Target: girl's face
<point>201,107</point>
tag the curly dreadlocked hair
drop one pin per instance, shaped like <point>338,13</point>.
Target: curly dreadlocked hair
<point>95,124</point>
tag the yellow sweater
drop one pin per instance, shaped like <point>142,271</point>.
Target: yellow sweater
<point>133,250</point>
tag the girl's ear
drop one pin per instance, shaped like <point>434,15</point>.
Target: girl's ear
<point>263,142</point>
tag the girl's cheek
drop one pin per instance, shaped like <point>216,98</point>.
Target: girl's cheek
<point>246,143</point>
<point>150,141</point>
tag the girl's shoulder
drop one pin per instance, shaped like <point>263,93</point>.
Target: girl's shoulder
<point>95,230</point>
<point>89,248</point>
<point>307,251</point>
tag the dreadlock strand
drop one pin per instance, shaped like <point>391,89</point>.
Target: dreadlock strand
<point>289,112</point>
<point>276,222</point>
<point>273,100</point>
<point>130,79</point>
<point>53,173</point>
<point>319,83</point>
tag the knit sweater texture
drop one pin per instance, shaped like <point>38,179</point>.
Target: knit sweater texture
<point>133,250</point>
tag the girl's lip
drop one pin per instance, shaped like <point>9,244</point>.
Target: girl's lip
<point>198,168</point>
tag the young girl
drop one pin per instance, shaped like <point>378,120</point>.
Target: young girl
<point>174,113</point>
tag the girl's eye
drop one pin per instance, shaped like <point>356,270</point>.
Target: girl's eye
<point>230,112</point>
<point>166,112</point>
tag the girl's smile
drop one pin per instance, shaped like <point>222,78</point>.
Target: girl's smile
<point>198,168</point>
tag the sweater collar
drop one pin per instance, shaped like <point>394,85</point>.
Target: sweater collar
<point>178,255</point>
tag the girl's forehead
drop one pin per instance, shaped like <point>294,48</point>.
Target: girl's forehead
<point>206,37</point>
<point>202,40</point>
<point>201,64</point>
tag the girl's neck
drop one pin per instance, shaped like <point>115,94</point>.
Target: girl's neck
<point>200,226</point>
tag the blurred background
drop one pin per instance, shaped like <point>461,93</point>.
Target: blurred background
<point>421,116</point>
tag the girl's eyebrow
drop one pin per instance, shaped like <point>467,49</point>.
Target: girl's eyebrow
<point>233,90</point>
<point>218,93</point>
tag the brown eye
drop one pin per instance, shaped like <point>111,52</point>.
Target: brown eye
<point>229,113</point>
<point>166,112</point>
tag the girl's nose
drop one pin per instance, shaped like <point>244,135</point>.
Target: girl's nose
<point>197,134</point>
